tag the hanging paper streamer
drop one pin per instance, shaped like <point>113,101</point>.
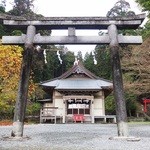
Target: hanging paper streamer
<point>76,62</point>
<point>60,60</point>
<point>94,59</point>
<point>44,53</point>
<point>38,48</point>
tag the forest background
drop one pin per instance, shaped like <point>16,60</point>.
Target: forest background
<point>58,59</point>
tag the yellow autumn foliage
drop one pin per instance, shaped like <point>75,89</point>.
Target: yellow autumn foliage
<point>10,63</point>
<point>10,66</point>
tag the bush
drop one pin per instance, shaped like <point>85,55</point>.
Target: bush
<point>6,111</point>
<point>33,109</point>
<point>110,105</point>
<point>132,105</point>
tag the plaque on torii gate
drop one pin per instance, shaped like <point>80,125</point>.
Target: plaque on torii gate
<point>72,24</point>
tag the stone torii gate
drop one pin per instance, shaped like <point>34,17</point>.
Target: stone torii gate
<point>32,38</point>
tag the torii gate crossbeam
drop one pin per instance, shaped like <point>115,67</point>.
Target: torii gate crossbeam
<point>59,23</point>
<point>48,40</point>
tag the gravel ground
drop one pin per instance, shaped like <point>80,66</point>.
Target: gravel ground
<point>76,137</point>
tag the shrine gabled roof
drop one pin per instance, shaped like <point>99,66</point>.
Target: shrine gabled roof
<point>88,82</point>
<point>79,69</point>
<point>78,84</point>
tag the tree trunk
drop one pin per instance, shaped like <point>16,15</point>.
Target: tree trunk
<point>121,113</point>
<point>21,101</point>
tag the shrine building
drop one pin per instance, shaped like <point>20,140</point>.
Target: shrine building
<point>76,96</point>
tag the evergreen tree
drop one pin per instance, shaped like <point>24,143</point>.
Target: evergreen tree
<point>121,9</point>
<point>38,66</point>
<point>68,60</point>
<point>145,4</point>
<point>22,8</point>
<point>103,66</point>
<point>49,68</point>
<point>145,31</point>
<point>89,63</point>
<point>79,56</point>
<point>2,6</point>
<point>54,68</point>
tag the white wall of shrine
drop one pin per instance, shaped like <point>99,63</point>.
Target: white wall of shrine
<point>97,106</point>
<point>98,109</point>
<point>58,102</point>
<point>60,105</point>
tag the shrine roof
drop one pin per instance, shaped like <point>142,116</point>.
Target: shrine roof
<point>78,84</point>
<point>71,80</point>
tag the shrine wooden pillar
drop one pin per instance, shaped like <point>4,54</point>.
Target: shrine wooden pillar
<point>121,114</point>
<point>21,100</point>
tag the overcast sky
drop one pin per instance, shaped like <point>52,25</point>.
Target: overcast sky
<point>53,8</point>
<point>76,7</point>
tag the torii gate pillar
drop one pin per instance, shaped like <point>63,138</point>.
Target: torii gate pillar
<point>21,100</point>
<point>118,82</point>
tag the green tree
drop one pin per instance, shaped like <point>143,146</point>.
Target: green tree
<point>22,8</point>
<point>50,66</point>
<point>121,9</point>
<point>68,60</point>
<point>2,6</point>
<point>145,4</point>
<point>145,31</point>
<point>38,66</point>
<point>110,105</point>
<point>131,104</point>
<point>57,65</point>
<point>79,56</point>
<point>103,66</point>
<point>89,63</point>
